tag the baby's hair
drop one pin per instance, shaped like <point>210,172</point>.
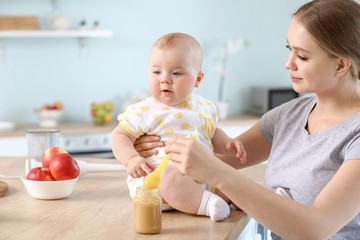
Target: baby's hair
<point>175,39</point>
<point>171,39</point>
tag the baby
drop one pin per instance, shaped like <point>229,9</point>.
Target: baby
<point>173,110</point>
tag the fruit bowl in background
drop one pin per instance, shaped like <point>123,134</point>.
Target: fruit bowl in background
<point>49,114</point>
<point>102,112</point>
<point>49,189</point>
<point>48,118</point>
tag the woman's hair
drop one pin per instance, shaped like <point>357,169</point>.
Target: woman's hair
<point>335,26</point>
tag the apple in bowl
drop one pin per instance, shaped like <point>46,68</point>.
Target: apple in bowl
<point>57,179</point>
<point>40,174</point>
<point>63,167</point>
<point>49,154</point>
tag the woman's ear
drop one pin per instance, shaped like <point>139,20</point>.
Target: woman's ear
<point>343,67</point>
<point>199,78</point>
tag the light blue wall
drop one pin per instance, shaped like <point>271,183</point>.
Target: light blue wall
<point>38,71</point>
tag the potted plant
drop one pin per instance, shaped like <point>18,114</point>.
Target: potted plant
<point>230,47</point>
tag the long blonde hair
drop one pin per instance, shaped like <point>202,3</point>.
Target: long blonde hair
<point>335,26</point>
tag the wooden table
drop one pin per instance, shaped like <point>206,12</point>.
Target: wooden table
<point>99,208</point>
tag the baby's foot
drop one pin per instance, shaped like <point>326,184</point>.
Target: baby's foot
<point>217,208</point>
<point>214,206</point>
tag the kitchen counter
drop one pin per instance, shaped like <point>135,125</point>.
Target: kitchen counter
<point>100,208</point>
<point>76,128</point>
<point>66,128</point>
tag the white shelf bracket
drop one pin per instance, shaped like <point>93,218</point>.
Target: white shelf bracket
<point>82,45</point>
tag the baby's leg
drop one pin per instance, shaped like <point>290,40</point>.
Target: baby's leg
<point>180,191</point>
<point>184,194</point>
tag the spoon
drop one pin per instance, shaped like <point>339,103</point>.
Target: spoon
<point>152,180</point>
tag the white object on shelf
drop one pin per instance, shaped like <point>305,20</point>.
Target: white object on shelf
<point>82,35</point>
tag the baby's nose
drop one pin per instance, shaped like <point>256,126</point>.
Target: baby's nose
<point>166,79</point>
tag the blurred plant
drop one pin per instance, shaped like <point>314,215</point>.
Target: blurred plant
<point>230,47</point>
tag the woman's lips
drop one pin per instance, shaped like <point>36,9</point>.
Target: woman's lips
<point>295,79</point>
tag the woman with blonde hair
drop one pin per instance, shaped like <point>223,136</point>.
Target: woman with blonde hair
<point>312,143</point>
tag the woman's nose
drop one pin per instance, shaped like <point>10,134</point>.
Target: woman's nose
<point>290,64</point>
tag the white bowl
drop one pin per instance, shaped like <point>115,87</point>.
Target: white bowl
<point>49,189</point>
<point>6,126</point>
<point>48,118</point>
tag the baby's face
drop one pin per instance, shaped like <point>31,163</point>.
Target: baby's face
<point>173,73</point>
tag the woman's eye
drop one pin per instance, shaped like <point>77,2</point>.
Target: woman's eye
<point>299,56</point>
<point>302,58</point>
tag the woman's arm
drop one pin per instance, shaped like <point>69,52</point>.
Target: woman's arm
<point>334,207</point>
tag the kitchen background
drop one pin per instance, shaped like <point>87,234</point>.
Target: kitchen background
<point>35,71</point>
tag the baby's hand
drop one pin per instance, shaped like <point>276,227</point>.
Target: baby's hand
<point>139,167</point>
<point>236,148</point>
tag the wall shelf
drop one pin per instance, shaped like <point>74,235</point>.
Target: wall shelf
<point>82,35</point>
<point>56,34</point>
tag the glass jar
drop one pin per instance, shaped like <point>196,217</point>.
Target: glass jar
<point>147,211</point>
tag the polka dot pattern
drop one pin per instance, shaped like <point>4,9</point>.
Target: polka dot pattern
<point>195,118</point>
<point>178,115</point>
<point>185,126</point>
<point>169,131</point>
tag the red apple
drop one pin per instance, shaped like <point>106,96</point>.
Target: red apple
<point>63,167</point>
<point>49,155</point>
<point>40,174</point>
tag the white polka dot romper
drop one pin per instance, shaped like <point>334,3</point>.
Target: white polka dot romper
<point>194,118</point>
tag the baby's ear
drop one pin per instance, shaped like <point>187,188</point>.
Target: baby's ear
<point>199,78</point>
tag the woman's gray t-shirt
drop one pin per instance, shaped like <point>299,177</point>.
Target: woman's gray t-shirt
<point>300,165</point>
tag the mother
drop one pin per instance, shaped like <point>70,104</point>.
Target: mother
<point>312,143</point>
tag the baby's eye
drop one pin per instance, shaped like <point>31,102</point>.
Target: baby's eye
<point>156,72</point>
<point>176,74</point>
<point>288,47</point>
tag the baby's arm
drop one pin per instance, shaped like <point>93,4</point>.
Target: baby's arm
<point>223,144</point>
<point>122,144</point>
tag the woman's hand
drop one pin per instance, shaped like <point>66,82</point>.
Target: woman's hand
<point>146,145</point>
<point>191,158</point>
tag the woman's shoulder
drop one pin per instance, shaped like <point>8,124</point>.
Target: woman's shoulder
<point>299,104</point>
<point>295,107</point>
